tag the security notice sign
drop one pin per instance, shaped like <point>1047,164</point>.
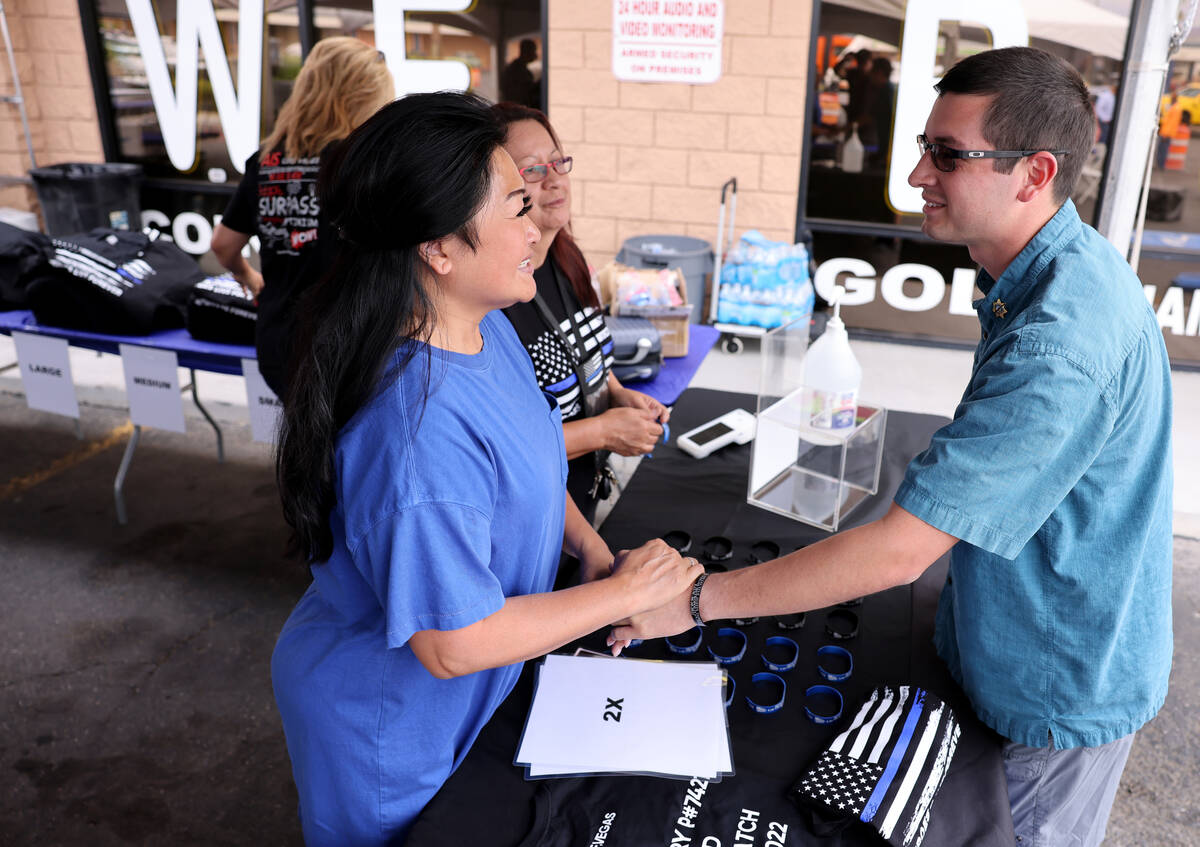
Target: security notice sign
<point>667,40</point>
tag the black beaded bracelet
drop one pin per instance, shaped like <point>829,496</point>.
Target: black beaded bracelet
<point>694,602</point>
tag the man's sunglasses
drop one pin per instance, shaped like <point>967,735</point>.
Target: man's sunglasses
<point>536,173</point>
<point>943,157</point>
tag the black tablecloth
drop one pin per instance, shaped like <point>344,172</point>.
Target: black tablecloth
<point>488,801</point>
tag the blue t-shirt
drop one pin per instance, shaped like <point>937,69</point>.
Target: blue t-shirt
<point>1056,475</point>
<point>444,509</point>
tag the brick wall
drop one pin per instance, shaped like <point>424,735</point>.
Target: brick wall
<point>52,64</point>
<point>650,157</point>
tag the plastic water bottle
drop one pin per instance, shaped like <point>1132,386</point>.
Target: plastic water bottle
<point>852,152</point>
<point>832,376</point>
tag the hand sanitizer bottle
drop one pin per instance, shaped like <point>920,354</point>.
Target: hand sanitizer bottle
<point>832,376</point>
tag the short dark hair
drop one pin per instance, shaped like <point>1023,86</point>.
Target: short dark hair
<point>1039,102</point>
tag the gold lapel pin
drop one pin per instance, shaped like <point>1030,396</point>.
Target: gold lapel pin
<point>999,309</point>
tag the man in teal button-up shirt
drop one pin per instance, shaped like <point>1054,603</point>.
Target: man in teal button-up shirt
<point>1052,485</point>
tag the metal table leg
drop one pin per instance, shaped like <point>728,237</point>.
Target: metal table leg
<point>119,482</point>
<point>209,418</point>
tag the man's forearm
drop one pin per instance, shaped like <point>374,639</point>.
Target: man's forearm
<point>893,550</point>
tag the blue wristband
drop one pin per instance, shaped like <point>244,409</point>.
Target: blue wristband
<point>687,647</point>
<point>788,663</point>
<point>765,676</point>
<point>731,685</point>
<point>823,689</point>
<point>834,650</point>
<point>729,632</point>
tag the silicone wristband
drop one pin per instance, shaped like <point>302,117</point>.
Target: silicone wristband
<point>687,647</point>
<point>729,632</point>
<point>718,548</point>
<point>759,549</point>
<point>845,615</point>
<point>678,540</point>
<point>766,676</point>
<point>823,689</point>
<point>834,650</point>
<point>788,622</point>
<point>781,641</point>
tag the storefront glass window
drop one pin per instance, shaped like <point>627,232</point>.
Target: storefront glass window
<point>862,147</point>
<point>1170,247</point>
<point>192,151</point>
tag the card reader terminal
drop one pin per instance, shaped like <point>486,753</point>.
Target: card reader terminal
<point>736,427</point>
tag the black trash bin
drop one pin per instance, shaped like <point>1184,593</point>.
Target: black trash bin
<point>78,196</point>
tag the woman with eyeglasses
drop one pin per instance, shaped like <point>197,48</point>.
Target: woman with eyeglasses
<point>563,328</point>
<point>342,83</point>
<point>423,472</point>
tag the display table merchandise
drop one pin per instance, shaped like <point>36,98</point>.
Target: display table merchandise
<point>883,643</point>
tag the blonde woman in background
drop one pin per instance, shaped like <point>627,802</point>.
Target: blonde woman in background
<point>343,82</point>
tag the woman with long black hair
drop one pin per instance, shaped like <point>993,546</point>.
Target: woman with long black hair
<point>424,474</point>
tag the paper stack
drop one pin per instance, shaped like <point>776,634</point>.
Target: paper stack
<point>593,715</point>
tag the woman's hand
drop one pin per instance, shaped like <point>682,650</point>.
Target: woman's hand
<point>629,431</point>
<point>619,395</point>
<point>671,618</point>
<point>596,561</point>
<point>250,280</point>
<point>653,574</point>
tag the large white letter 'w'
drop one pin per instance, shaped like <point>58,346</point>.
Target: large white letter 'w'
<point>196,29</point>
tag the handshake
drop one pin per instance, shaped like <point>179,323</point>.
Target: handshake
<point>658,582</point>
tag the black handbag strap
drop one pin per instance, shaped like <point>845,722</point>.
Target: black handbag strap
<point>602,482</point>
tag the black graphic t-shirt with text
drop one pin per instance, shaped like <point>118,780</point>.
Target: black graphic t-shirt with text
<point>277,201</point>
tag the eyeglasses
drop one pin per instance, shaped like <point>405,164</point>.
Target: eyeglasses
<point>943,157</point>
<point>538,172</point>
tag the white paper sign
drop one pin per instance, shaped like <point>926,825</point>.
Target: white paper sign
<point>46,373</point>
<point>596,715</point>
<point>667,40</point>
<point>264,406</point>
<point>152,386</point>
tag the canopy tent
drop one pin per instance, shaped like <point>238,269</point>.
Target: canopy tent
<point>1075,23</point>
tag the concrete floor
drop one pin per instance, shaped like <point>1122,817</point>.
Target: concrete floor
<point>135,702</point>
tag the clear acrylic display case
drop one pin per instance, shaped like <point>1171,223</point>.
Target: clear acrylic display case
<point>817,476</point>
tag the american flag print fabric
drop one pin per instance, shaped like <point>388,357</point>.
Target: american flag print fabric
<point>886,768</point>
